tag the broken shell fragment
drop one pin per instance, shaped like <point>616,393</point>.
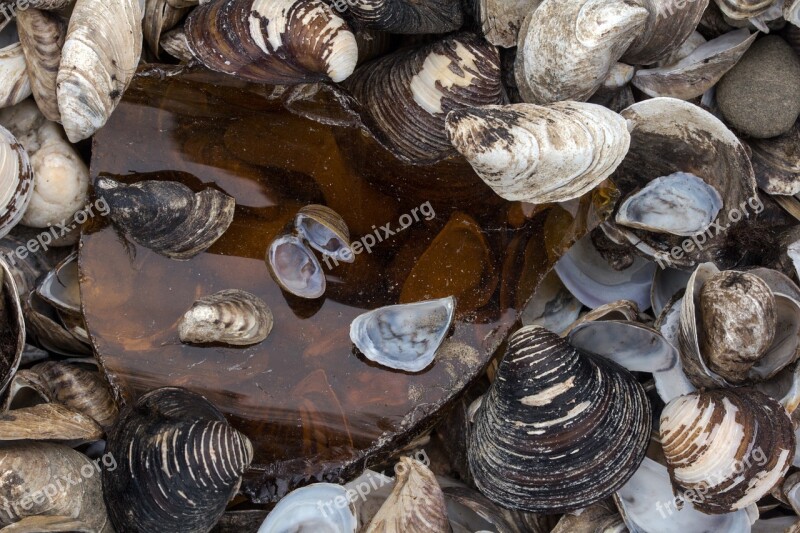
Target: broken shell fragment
<point>734,445</point>
<point>166,216</point>
<point>231,316</point>
<point>16,181</point>
<point>408,16</point>
<point>312,508</point>
<point>98,61</point>
<point>295,268</point>
<point>406,336</point>
<point>42,35</point>
<point>15,83</point>
<point>558,429</point>
<point>678,204</point>
<point>273,41</point>
<point>326,231</point>
<point>174,442</point>
<point>540,154</point>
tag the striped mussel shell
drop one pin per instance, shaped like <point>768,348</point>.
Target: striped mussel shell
<point>166,216</point>
<point>16,181</point>
<point>180,464</point>
<point>273,41</point>
<point>726,448</point>
<point>408,94</point>
<point>231,316</point>
<point>407,16</point>
<point>559,429</point>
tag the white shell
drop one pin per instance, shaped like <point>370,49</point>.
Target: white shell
<point>406,336</point>
<point>316,508</point>
<point>501,19</point>
<point>540,154</point>
<point>16,181</point>
<point>98,61</point>
<point>15,85</point>
<point>295,268</point>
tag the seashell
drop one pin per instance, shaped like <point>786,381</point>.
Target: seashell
<point>409,93</point>
<point>667,282</point>
<point>552,306</point>
<point>12,333</point>
<point>775,162</point>
<point>48,421</point>
<point>326,231</point>
<point>567,47</point>
<point>98,61</point>
<point>313,508</point>
<point>501,20</point>
<point>678,204</point>
<point>668,25</point>
<point>468,511</point>
<point>791,11</point>
<point>186,3</point>
<point>32,468</point>
<point>295,268</point>
<point>273,41</point>
<point>159,16</point>
<point>406,336</point>
<point>407,16</point>
<point>698,71</point>
<point>174,442</point>
<point>16,181</point>
<point>174,43</point>
<point>669,136</point>
<point>551,418</point>
<point>42,35</point>
<point>15,85</point>
<point>60,177</point>
<point>540,154</point>
<point>48,329</point>
<point>743,9</point>
<point>51,5</point>
<point>733,444</point>
<point>60,287</point>
<point>166,216</point>
<point>415,504</point>
<point>601,516</point>
<point>231,316</point>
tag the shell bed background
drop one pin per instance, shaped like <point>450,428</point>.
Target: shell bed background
<point>519,266</point>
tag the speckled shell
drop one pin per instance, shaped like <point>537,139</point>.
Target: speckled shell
<point>567,47</point>
<point>16,181</point>
<point>166,216</point>
<point>407,16</point>
<point>231,316</point>
<point>42,35</point>
<point>734,445</point>
<point>540,154</point>
<point>179,464</point>
<point>777,162</point>
<point>558,429</point>
<point>273,41</point>
<point>408,94</point>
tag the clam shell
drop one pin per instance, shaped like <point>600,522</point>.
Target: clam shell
<point>567,47</point>
<point>16,181</point>
<point>408,94</point>
<point>406,336</point>
<point>231,316</point>
<point>295,268</point>
<point>501,20</point>
<point>273,41</point>
<point>776,163</point>
<point>316,507</point>
<point>173,442</point>
<point>42,35</point>
<point>407,16</point>
<point>98,61</point>
<point>159,16</point>
<point>326,231</point>
<point>668,25</point>
<point>15,83</point>
<point>733,444</point>
<point>743,9</point>
<point>174,43</point>
<point>540,154</point>
<point>559,429</point>
<point>166,216</point>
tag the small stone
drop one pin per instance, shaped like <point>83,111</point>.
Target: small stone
<point>760,96</point>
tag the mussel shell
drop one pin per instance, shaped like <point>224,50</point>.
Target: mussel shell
<point>558,429</point>
<point>231,316</point>
<point>180,463</point>
<point>295,268</point>
<point>407,16</point>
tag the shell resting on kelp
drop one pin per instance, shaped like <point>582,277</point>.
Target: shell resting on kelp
<point>407,16</point>
<point>540,154</point>
<point>98,61</point>
<point>558,429</point>
<point>408,94</point>
<point>726,448</point>
<point>180,464</point>
<point>166,216</point>
<point>231,316</point>
<point>273,41</point>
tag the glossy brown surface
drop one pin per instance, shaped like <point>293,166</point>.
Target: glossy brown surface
<point>313,408</point>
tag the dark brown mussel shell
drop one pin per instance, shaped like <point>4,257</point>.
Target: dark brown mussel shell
<point>407,16</point>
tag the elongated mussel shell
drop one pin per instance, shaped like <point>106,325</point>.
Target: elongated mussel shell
<point>726,448</point>
<point>558,429</point>
<point>231,316</point>
<point>540,154</point>
<point>273,41</point>
<point>408,16</point>
<point>16,181</point>
<point>406,336</point>
<point>166,216</point>
<point>408,94</point>
<point>180,464</point>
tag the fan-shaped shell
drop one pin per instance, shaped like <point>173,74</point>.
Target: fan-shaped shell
<point>16,181</point>
<point>558,429</point>
<point>540,154</point>
<point>407,16</point>
<point>273,41</point>
<point>231,316</point>
<point>408,94</point>
<point>98,61</point>
<point>180,463</point>
<point>727,447</point>
<point>567,47</point>
<point>166,216</point>
<point>42,35</point>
